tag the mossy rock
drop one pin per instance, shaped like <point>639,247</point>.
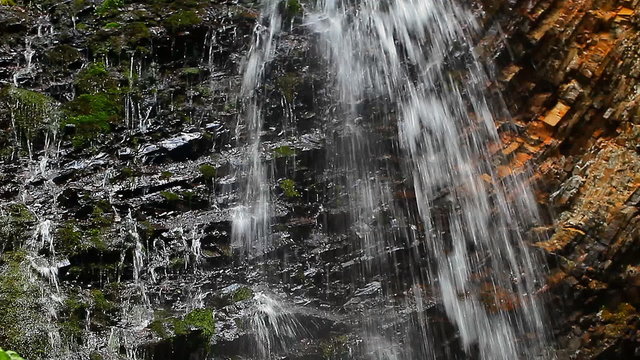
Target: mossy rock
<point>96,78</point>
<point>16,221</point>
<point>207,171</point>
<point>244,293</point>
<point>199,319</point>
<point>288,187</point>
<point>92,115</point>
<point>24,328</point>
<point>108,7</point>
<point>32,112</point>
<point>63,55</point>
<point>182,20</point>
<point>284,151</point>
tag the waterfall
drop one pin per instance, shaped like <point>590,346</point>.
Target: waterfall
<point>415,61</point>
<point>410,86</point>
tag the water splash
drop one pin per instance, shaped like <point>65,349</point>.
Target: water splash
<point>274,325</point>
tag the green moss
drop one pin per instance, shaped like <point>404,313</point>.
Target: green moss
<point>69,237</point>
<point>95,78</point>
<point>7,3</point>
<point>170,196</point>
<point>63,55</point>
<point>288,84</point>
<point>198,319</point>
<point>284,151</point>
<point>100,302</point>
<point>293,8</point>
<point>31,111</point>
<point>335,348</point>
<point>190,72</point>
<point>16,221</point>
<point>177,263</point>
<point>136,32</point>
<point>159,328</point>
<point>20,308</point>
<point>288,186</point>
<point>165,175</point>
<point>181,20</point>
<point>8,354</point>
<point>207,171</point>
<point>244,293</point>
<point>92,114</point>
<point>109,7</point>
<point>112,25</point>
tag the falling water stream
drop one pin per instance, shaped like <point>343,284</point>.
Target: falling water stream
<point>409,85</point>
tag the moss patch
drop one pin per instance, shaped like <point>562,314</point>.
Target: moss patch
<point>288,186</point>
<point>20,310</point>
<point>31,111</point>
<point>284,151</point>
<point>181,20</point>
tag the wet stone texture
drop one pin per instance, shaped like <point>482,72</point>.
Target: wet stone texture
<point>569,72</point>
<point>117,153</point>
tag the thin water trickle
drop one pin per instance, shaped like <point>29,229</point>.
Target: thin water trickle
<point>252,217</point>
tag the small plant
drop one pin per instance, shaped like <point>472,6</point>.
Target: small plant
<point>284,151</point>
<point>112,25</point>
<point>190,71</point>
<point>288,186</point>
<point>109,6</point>
<point>165,175</point>
<point>9,355</point>
<point>199,319</point>
<point>170,196</point>
<point>181,20</point>
<point>244,293</point>
<point>208,171</point>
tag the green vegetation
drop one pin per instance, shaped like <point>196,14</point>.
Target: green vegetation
<point>136,32</point>
<point>198,319</point>
<point>69,237</point>
<point>165,175</point>
<point>15,222</point>
<point>20,308</point>
<point>335,348</point>
<point>31,111</point>
<point>284,151</point>
<point>207,171</point>
<point>7,3</point>
<point>289,188</point>
<point>170,196</point>
<point>109,6</point>
<point>9,355</point>
<point>182,20</point>
<point>190,71</point>
<point>97,107</point>
<point>63,55</point>
<point>94,79</point>
<point>244,293</point>
<point>92,115</point>
<point>112,25</point>
<point>293,8</point>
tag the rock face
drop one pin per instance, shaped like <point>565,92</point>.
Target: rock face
<point>116,179</point>
<point>569,72</point>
